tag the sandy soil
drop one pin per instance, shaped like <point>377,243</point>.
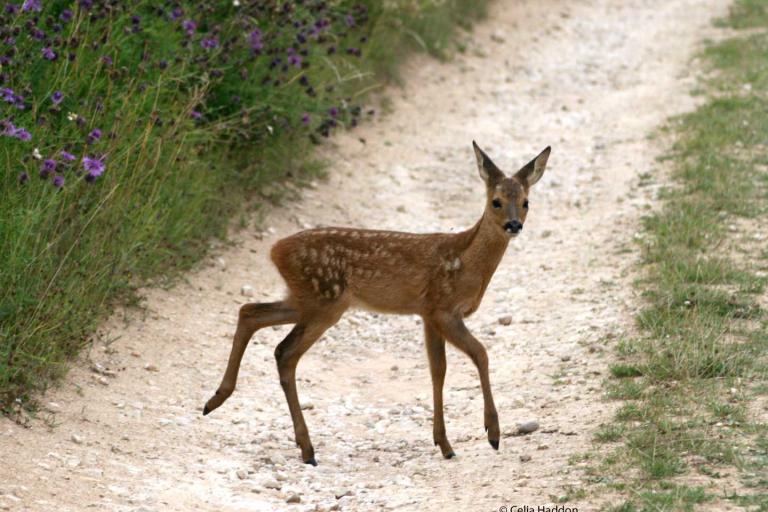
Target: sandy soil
<point>590,77</point>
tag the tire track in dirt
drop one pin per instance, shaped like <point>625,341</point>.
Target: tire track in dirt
<point>590,77</point>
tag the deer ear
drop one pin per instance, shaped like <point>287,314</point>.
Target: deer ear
<point>487,169</point>
<point>534,169</point>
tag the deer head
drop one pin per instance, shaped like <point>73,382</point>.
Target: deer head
<point>507,204</point>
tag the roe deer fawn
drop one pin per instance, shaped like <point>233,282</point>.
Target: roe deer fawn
<point>440,276</point>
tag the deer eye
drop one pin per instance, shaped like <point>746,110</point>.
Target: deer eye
<point>496,203</point>
<point>525,204</point>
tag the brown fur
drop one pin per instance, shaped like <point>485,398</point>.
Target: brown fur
<point>440,277</point>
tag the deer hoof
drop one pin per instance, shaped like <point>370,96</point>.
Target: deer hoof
<point>494,443</point>
<point>311,460</point>
<point>206,410</point>
<point>450,455</point>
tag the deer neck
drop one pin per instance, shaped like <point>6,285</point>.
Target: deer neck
<point>485,246</point>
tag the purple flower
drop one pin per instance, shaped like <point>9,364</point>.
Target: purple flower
<point>8,127</point>
<point>177,13</point>
<point>107,60</point>
<point>94,167</point>
<point>349,20</point>
<point>49,165</point>
<point>32,5</point>
<point>293,58</point>
<point>11,8</point>
<point>58,181</point>
<point>196,115</point>
<point>189,26</point>
<point>7,94</point>
<point>305,118</point>
<point>333,111</point>
<point>23,177</point>
<point>86,4</point>
<point>67,156</point>
<point>65,15</point>
<point>56,97</point>
<point>93,136</point>
<point>255,39</point>
<point>48,53</point>
<point>21,134</point>
<point>209,42</point>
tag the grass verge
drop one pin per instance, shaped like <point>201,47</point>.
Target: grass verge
<point>691,431</point>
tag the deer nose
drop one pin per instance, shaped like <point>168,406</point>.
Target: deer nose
<point>514,226</point>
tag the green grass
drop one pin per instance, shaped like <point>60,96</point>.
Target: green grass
<point>70,255</point>
<point>701,354</point>
<point>674,498</point>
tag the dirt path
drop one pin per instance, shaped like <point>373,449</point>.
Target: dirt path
<point>590,77</point>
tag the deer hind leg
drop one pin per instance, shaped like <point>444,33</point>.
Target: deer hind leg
<point>454,330</point>
<point>437,365</point>
<point>287,355</point>
<point>252,317</point>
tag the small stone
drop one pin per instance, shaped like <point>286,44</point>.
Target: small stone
<point>246,290</point>
<point>151,368</point>
<point>340,493</point>
<point>94,472</point>
<point>498,36</point>
<point>565,358</point>
<point>394,368</point>
<point>97,368</point>
<point>505,320</point>
<point>527,427</point>
<point>76,439</point>
<point>221,263</point>
<point>542,447</point>
<point>271,483</point>
<point>116,489</point>
<point>525,458</point>
<point>293,498</point>
<point>241,474</point>
<point>306,405</point>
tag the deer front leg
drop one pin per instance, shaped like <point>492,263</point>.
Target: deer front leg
<point>252,317</point>
<point>452,327</point>
<point>436,354</point>
<point>287,355</point>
